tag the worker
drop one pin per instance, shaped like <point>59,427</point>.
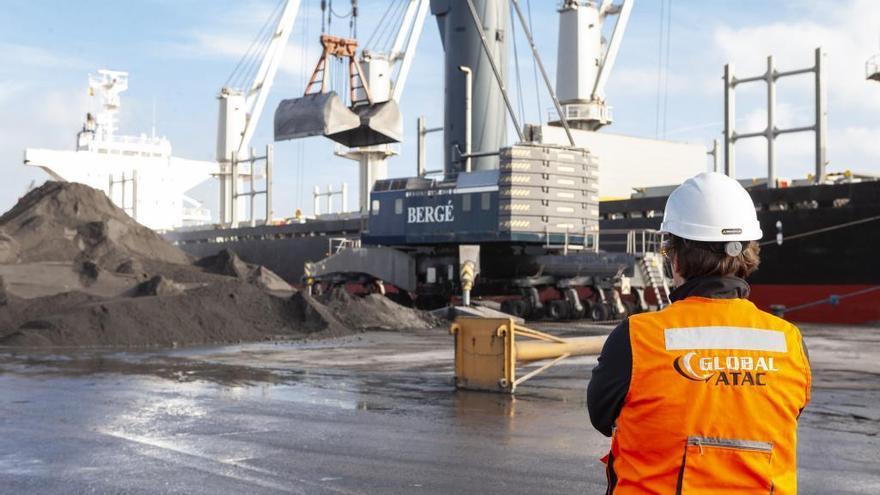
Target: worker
<point>703,396</point>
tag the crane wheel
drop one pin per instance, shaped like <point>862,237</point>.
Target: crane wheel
<point>600,312</point>
<point>557,309</point>
<point>514,307</point>
<point>587,312</point>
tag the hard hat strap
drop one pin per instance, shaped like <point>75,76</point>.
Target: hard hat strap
<point>733,248</point>
<point>730,248</point>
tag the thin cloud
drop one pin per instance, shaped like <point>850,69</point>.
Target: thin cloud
<point>202,45</point>
<point>228,37</point>
<point>29,56</point>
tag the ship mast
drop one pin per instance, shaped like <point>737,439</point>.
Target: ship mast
<point>106,84</point>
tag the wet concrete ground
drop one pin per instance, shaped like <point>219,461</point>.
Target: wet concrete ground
<point>374,413</point>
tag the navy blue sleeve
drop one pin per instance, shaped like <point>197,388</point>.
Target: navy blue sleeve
<point>610,381</point>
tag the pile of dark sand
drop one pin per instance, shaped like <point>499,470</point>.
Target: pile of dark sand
<point>171,301</point>
<point>226,262</point>
<point>375,312</point>
<point>226,312</point>
<point>64,221</point>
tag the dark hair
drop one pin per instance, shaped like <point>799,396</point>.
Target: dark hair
<point>708,259</point>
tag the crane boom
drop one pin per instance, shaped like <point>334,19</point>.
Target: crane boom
<point>613,46</point>
<point>240,110</point>
<point>255,99</point>
<point>419,9</point>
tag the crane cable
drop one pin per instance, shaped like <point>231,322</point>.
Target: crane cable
<point>385,40</point>
<point>300,150</point>
<point>270,26</point>
<point>352,24</point>
<point>823,230</point>
<point>239,75</point>
<point>381,26</point>
<point>659,69</point>
<point>663,49</point>
<point>519,89</point>
<point>832,299</point>
<point>666,69</point>
<point>535,67</point>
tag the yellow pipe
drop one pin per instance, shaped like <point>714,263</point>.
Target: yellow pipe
<point>577,346</point>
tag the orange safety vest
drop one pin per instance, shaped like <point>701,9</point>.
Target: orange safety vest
<point>717,386</point>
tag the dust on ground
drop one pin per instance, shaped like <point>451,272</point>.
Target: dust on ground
<point>375,312</point>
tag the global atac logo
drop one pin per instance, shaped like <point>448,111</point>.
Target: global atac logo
<point>725,370</point>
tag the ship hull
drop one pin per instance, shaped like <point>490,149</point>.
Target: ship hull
<point>284,249</point>
<point>850,304</point>
<point>818,254</point>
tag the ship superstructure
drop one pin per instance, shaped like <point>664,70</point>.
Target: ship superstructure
<point>138,172</point>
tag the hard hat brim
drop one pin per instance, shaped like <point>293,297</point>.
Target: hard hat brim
<point>710,233</point>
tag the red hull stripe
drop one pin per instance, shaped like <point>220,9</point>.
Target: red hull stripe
<point>862,307</point>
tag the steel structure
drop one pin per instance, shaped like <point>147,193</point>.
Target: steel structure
<point>329,194</point>
<point>252,192</point>
<point>771,132</point>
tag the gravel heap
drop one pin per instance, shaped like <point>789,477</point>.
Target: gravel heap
<point>65,221</point>
<point>172,301</point>
<point>375,312</point>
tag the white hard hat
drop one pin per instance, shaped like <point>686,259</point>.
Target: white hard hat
<point>711,207</point>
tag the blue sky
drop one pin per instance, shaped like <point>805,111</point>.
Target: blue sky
<point>180,52</point>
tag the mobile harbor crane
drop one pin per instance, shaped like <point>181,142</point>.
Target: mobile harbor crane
<point>516,222</point>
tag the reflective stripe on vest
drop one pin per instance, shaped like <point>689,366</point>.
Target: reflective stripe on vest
<point>716,389</point>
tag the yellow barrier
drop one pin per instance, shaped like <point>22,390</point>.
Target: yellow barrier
<point>487,352</point>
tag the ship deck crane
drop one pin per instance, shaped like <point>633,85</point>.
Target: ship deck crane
<point>585,61</point>
<point>242,100</point>
<point>372,120</point>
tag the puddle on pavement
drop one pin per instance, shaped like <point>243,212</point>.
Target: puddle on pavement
<point>176,369</point>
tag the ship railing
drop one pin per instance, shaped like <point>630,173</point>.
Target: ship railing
<point>646,245</point>
<point>338,244</point>
<point>637,241</point>
<point>125,145</point>
<point>589,242</point>
<point>582,111</point>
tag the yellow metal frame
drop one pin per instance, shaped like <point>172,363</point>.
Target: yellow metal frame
<point>487,352</point>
